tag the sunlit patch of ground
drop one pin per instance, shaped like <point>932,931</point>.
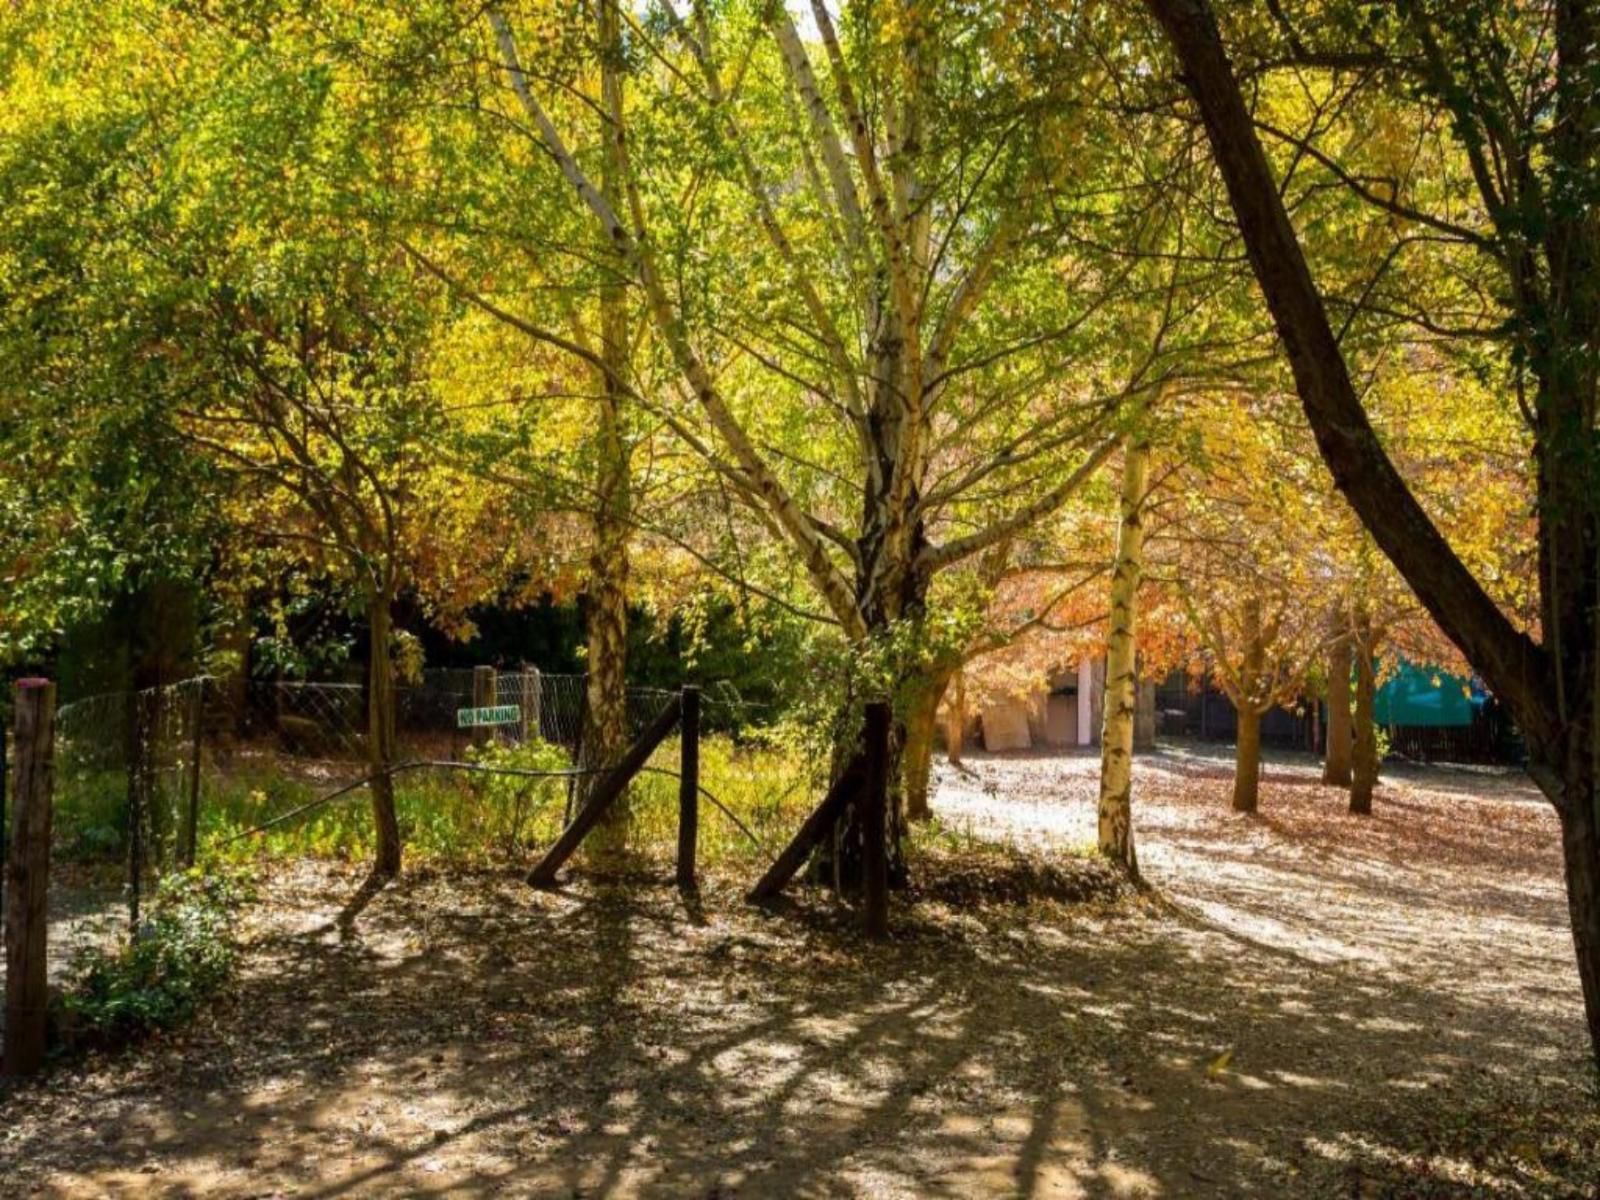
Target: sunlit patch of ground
<point>1310,1005</point>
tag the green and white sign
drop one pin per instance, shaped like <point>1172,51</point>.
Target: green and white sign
<point>500,714</point>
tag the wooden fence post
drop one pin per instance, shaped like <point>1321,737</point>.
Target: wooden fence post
<point>688,787</point>
<point>874,820</point>
<point>28,869</point>
<point>191,830</point>
<point>484,695</point>
<point>532,694</point>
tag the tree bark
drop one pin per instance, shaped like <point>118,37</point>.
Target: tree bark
<point>26,865</point>
<point>922,720</point>
<point>1580,850</point>
<point>1121,696</point>
<point>1364,767</point>
<point>1336,760</point>
<point>380,732</point>
<point>1247,757</point>
<point>606,714</point>
<point>955,726</point>
<point>1247,761</point>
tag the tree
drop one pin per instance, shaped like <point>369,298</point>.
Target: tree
<point>290,344</point>
<point>903,350</point>
<point>1364,752</point>
<point>101,502</point>
<point>1336,756</point>
<point>1116,738</point>
<point>1244,541</point>
<point>1533,154</point>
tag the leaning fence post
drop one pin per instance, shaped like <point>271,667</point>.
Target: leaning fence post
<point>606,789</point>
<point>688,786</point>
<point>483,696</point>
<point>191,831</point>
<point>874,818</point>
<point>815,827</point>
<point>28,866</point>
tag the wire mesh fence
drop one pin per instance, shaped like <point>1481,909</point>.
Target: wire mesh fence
<point>146,777</point>
<point>149,782</point>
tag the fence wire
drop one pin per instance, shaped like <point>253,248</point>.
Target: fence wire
<point>134,769</point>
<point>146,781</point>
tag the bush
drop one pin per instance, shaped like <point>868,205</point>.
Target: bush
<point>184,952</point>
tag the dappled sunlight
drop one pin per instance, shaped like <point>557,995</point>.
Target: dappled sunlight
<point>1276,1019</point>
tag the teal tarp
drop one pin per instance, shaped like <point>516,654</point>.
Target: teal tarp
<point>1424,696</point>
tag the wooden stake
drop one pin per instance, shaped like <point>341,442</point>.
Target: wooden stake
<point>28,879</point>
<point>817,826</point>
<point>532,694</point>
<point>688,788</point>
<point>607,790</point>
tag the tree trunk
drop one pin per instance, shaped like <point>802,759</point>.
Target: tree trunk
<point>922,720</point>
<point>1252,667</point>
<point>1121,695</point>
<point>1247,761</point>
<point>1144,715</point>
<point>606,715</point>
<point>1550,688</point>
<point>1364,768</point>
<point>955,726</point>
<point>841,860</point>
<point>1580,847</point>
<point>235,638</point>
<point>380,733</point>
<point>606,732</point>
<point>1336,761</point>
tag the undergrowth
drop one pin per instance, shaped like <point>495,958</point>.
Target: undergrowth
<point>457,816</point>
<point>183,951</point>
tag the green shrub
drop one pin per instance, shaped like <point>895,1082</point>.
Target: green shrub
<point>183,952</point>
<point>481,818</point>
<point>91,815</point>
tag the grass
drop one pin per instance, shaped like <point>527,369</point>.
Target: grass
<point>446,816</point>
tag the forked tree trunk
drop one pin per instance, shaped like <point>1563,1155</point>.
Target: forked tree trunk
<point>1121,698</point>
<point>922,721</point>
<point>605,737</point>
<point>1364,766</point>
<point>380,733</point>
<point>1336,760</point>
<point>1247,761</point>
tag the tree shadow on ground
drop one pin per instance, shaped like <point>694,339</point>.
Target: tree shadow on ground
<point>471,1036</point>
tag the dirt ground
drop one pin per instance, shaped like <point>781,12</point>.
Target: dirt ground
<point>1307,1004</point>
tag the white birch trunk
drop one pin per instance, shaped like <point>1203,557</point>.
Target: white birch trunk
<point>1116,732</point>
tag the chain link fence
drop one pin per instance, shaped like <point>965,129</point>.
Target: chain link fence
<point>140,774</point>
<point>151,781</point>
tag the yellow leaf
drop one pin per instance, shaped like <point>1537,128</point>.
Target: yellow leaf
<point>1219,1064</point>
